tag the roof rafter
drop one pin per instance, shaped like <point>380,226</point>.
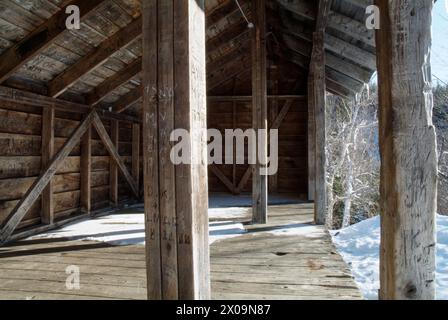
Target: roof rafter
<point>114,82</point>
<point>97,57</point>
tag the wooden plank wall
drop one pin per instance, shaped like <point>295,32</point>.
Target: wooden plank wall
<point>20,163</point>
<point>292,173</point>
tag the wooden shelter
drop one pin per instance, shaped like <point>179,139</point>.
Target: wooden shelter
<point>86,116</point>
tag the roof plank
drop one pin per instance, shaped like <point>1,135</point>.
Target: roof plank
<point>108,47</point>
<point>19,54</point>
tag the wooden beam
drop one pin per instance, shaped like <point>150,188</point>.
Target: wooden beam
<point>408,184</point>
<point>113,168</point>
<point>273,114</point>
<point>114,153</point>
<point>47,214</point>
<point>27,98</point>
<point>35,42</point>
<point>128,100</point>
<point>97,57</point>
<point>174,79</point>
<point>136,154</point>
<point>249,98</point>
<point>33,193</point>
<point>259,111</point>
<point>318,102</point>
<point>114,82</point>
<point>311,140</point>
<point>86,171</point>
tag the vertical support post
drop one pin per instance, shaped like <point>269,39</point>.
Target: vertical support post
<point>175,195</point>
<point>259,112</point>
<point>136,153</point>
<point>311,138</point>
<point>113,168</point>
<point>273,114</point>
<point>86,171</point>
<point>47,214</point>
<point>318,102</point>
<point>408,184</point>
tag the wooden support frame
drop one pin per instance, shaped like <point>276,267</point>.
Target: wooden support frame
<point>317,101</point>
<point>126,101</point>
<point>408,184</point>
<point>175,195</point>
<point>86,171</point>
<point>26,49</point>
<point>136,154</point>
<point>47,213</point>
<point>109,144</point>
<point>275,125</point>
<point>113,168</point>
<point>27,98</point>
<point>114,82</point>
<point>33,193</point>
<point>109,46</point>
<point>259,111</point>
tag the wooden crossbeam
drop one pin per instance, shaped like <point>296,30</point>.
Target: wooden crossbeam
<point>101,53</point>
<point>126,101</point>
<point>114,153</point>
<point>114,82</point>
<point>26,49</point>
<point>33,193</point>
<point>27,98</point>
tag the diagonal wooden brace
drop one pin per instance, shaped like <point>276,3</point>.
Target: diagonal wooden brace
<point>33,193</point>
<point>114,153</point>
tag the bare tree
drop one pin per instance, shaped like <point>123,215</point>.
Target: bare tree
<point>353,158</point>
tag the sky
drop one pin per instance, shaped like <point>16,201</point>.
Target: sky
<point>439,57</point>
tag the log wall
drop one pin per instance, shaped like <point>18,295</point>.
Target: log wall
<point>20,162</point>
<point>292,173</point>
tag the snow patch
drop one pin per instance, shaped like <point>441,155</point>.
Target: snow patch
<point>298,229</point>
<point>128,229</point>
<point>359,246</point>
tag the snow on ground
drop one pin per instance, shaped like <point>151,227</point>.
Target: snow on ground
<point>359,246</point>
<point>127,229</point>
<point>298,229</point>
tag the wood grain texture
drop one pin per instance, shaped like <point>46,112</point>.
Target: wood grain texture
<point>39,185</point>
<point>408,184</point>
<point>109,144</point>
<point>259,111</point>
<point>47,214</point>
<point>40,38</point>
<point>175,195</point>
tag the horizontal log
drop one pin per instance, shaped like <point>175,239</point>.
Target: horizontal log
<point>24,97</point>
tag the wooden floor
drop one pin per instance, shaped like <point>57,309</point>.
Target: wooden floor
<point>261,264</point>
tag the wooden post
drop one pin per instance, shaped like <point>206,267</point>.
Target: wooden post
<point>86,171</point>
<point>408,151</point>
<point>113,169</point>
<point>174,96</point>
<point>311,139</point>
<point>259,111</point>
<point>318,101</point>
<point>47,214</point>
<point>136,153</point>
<point>273,113</point>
